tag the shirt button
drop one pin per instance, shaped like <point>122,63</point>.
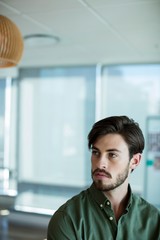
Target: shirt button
<point>101,205</point>
<point>110,218</point>
<point>108,203</point>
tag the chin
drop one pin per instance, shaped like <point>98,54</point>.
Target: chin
<point>104,187</point>
<point>100,185</point>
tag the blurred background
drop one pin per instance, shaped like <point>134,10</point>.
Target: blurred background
<point>83,60</point>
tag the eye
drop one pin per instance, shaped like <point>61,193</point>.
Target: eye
<point>95,152</point>
<point>112,155</point>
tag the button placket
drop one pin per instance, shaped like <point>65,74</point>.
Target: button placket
<point>102,206</point>
<point>110,212</point>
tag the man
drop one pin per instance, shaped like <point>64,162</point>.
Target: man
<point>108,209</point>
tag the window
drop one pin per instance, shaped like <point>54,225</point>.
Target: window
<point>56,108</point>
<point>56,112</point>
<point>2,117</point>
<point>132,90</point>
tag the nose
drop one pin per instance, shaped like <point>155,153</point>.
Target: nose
<point>103,162</point>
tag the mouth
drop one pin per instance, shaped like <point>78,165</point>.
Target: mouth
<point>101,174</point>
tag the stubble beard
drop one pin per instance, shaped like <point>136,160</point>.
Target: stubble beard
<point>120,179</point>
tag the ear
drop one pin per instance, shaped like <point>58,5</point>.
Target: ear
<point>135,161</point>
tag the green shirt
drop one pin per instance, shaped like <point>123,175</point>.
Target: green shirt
<point>89,216</point>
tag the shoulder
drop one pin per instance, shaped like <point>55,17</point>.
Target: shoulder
<point>78,200</point>
<point>74,204</point>
<point>145,207</point>
<point>63,222</point>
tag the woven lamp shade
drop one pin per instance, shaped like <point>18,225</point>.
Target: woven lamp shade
<point>11,43</point>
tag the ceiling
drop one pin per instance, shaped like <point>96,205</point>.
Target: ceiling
<point>89,31</point>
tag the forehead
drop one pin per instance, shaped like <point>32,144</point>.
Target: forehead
<point>111,141</point>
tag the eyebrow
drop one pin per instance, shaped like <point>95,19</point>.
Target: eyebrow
<point>108,150</point>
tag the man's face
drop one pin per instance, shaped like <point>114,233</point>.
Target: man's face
<point>110,162</point>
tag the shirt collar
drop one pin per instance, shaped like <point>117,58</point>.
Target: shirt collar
<point>97,195</point>
<point>130,200</point>
<point>101,199</point>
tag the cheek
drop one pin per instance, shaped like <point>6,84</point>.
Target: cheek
<point>121,167</point>
<point>93,161</point>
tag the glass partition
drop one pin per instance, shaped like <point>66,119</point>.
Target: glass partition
<point>2,115</point>
<point>132,90</point>
<point>8,183</point>
<point>55,113</point>
<point>53,110</point>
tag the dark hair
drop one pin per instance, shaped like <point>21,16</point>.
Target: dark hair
<point>126,127</point>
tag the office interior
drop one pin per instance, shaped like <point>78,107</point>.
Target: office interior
<point>83,60</point>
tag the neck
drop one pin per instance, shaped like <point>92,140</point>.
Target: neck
<point>119,199</point>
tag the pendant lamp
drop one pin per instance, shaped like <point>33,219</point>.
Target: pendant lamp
<point>11,43</point>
